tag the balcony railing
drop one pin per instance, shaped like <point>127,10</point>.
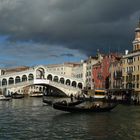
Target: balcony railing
<point>129,71</point>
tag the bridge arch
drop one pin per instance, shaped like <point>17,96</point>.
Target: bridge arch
<point>17,79</point>
<point>30,77</point>
<point>55,79</point>
<point>40,73</point>
<point>62,80</point>
<point>4,82</point>
<point>49,77</point>
<point>80,85</point>
<point>11,81</point>
<point>68,82</point>
<point>74,84</point>
<point>24,78</point>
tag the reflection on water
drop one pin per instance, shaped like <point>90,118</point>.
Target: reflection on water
<point>29,119</point>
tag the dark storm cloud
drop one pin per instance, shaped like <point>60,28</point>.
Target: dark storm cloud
<point>84,25</point>
<point>67,54</point>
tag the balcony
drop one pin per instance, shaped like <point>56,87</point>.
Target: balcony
<point>118,75</point>
<point>130,71</point>
<point>130,61</point>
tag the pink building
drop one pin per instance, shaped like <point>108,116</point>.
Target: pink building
<point>100,72</point>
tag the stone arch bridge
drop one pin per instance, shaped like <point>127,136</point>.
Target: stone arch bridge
<point>40,76</point>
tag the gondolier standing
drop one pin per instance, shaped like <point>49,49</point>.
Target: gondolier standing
<point>71,97</point>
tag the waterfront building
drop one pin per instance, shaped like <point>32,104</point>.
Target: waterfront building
<point>89,66</point>
<point>79,71</point>
<point>13,70</point>
<point>62,69</point>
<point>115,77</point>
<point>100,72</point>
<point>131,65</point>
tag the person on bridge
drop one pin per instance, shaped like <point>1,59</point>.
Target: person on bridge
<point>71,97</point>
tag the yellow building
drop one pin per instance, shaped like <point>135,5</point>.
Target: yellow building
<point>131,65</point>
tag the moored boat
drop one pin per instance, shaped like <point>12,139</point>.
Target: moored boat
<point>47,101</point>
<point>4,98</point>
<point>17,95</point>
<point>36,94</point>
<point>83,108</point>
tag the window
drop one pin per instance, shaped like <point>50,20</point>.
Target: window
<point>137,77</point>
<point>126,78</point>
<point>124,61</point>
<point>133,77</point>
<point>134,59</point>
<point>134,68</point>
<point>123,78</point>
<point>89,73</point>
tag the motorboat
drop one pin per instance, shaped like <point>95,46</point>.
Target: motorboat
<point>4,98</point>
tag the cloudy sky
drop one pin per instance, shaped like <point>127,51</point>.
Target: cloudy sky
<point>36,32</point>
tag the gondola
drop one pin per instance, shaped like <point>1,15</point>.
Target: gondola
<point>83,109</point>
<point>48,102</point>
<point>63,102</point>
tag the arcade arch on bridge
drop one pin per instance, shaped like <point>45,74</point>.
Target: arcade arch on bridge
<point>4,82</point>
<point>11,81</point>
<point>62,80</point>
<point>24,78</point>
<point>49,77</point>
<point>40,73</point>
<point>68,82</point>
<point>30,77</point>
<point>74,84</point>
<point>55,79</point>
<point>17,79</point>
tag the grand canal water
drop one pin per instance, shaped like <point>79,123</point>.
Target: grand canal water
<point>29,119</point>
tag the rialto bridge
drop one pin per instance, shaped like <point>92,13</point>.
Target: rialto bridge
<point>19,81</point>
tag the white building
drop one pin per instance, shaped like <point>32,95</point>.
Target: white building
<point>79,71</point>
<point>84,70</point>
<point>62,69</point>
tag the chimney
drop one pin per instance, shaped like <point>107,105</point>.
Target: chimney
<point>126,52</point>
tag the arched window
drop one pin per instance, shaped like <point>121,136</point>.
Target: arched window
<point>68,82</point>
<point>17,80</point>
<point>31,77</point>
<point>4,82</point>
<point>74,84</point>
<point>55,79</point>
<point>11,81</point>
<point>49,77</point>
<point>24,78</point>
<point>62,80</point>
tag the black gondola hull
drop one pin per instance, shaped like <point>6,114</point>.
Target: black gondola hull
<point>76,109</point>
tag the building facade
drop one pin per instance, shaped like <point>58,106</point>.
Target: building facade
<point>131,65</point>
<point>90,62</point>
<point>101,72</point>
<point>62,69</point>
<point>115,77</point>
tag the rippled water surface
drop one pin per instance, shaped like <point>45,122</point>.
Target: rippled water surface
<point>29,119</point>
